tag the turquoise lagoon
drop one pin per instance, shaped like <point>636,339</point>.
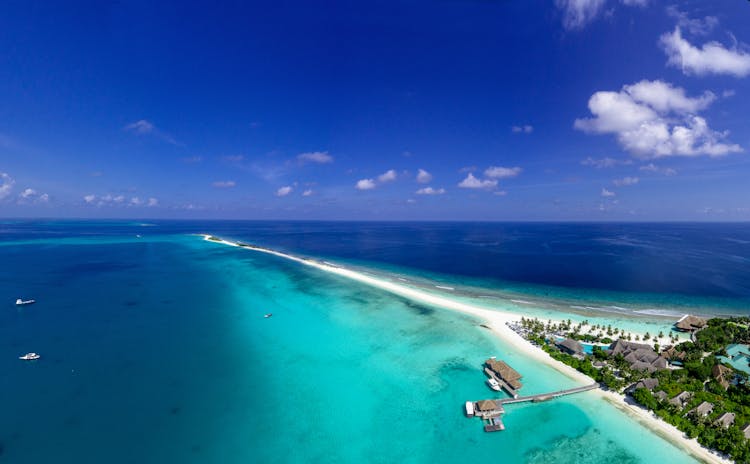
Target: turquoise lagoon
<point>156,350</point>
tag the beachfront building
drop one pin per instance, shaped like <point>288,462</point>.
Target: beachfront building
<point>702,410</point>
<point>641,357</point>
<point>690,323</point>
<point>661,395</point>
<point>571,347</point>
<point>648,384</point>
<point>681,399</point>
<point>726,420</point>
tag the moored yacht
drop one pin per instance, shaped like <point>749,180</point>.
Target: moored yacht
<point>493,384</point>
<point>21,302</point>
<point>30,356</point>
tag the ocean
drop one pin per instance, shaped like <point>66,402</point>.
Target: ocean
<point>155,349</point>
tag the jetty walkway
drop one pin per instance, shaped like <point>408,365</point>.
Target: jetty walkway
<point>547,396</point>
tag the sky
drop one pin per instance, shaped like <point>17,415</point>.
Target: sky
<point>557,110</point>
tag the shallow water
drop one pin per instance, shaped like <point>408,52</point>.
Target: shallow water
<point>156,350</point>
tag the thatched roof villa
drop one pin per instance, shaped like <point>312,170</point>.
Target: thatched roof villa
<point>690,323</point>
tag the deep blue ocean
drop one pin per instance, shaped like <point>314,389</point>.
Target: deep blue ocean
<point>155,349</point>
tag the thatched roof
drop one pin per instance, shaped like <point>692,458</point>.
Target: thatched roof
<point>690,323</point>
<point>661,395</point>
<point>703,409</point>
<point>746,430</point>
<point>622,346</point>
<point>726,419</point>
<point>722,374</point>
<point>671,353</point>
<point>570,345</point>
<point>486,405</point>
<point>503,370</point>
<point>681,399</point>
<point>648,383</point>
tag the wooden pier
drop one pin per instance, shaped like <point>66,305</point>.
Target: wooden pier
<point>491,410</point>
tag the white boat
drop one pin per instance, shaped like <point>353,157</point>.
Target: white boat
<point>268,315</point>
<point>29,356</point>
<point>493,384</point>
<point>21,302</point>
<point>469,409</point>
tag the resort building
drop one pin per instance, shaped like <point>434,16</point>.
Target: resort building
<point>722,374</point>
<point>648,384</point>
<point>702,410</point>
<point>506,373</point>
<point>572,347</point>
<point>690,323</point>
<point>673,356</point>
<point>640,356</point>
<point>681,399</point>
<point>725,420</point>
<point>746,431</point>
<point>661,395</point>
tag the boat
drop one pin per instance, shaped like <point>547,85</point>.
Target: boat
<point>268,315</point>
<point>21,302</point>
<point>493,384</point>
<point>30,357</point>
<point>469,406</point>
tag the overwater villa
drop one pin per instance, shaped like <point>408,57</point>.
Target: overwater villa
<point>506,376</point>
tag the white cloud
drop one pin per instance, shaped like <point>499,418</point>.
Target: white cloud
<point>430,191</point>
<point>152,202</point>
<point>635,2</point>
<point>89,198</point>
<point>143,127</point>
<point>307,193</point>
<point>224,184</point>
<point>119,199</point>
<point>625,181</point>
<point>423,177</point>
<point>497,172</point>
<point>321,157</point>
<point>711,58</point>
<point>6,187</point>
<point>135,201</point>
<point>233,158</point>
<point>607,193</point>
<point>30,195</point>
<point>472,182</point>
<point>192,159</point>
<point>365,184</point>
<point>387,176</point>
<point>605,162</point>
<point>578,13</point>
<point>654,119</point>
<point>651,167</point>
<point>526,129</point>
<point>284,191</point>
<point>695,26</point>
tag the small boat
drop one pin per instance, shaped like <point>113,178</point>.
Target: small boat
<point>469,407</point>
<point>268,315</point>
<point>493,384</point>
<point>21,302</point>
<point>29,357</point>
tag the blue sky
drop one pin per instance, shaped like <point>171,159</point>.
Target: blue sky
<point>468,110</point>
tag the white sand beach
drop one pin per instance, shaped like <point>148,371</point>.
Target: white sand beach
<point>497,321</point>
